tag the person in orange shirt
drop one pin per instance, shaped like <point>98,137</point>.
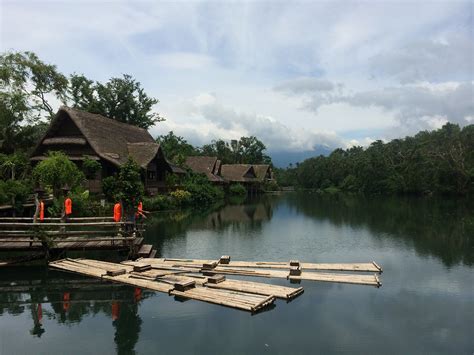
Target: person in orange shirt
<point>68,206</point>
<point>117,212</point>
<point>41,211</point>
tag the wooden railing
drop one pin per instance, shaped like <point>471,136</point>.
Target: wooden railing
<point>75,230</point>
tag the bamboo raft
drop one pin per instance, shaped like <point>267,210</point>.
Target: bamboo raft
<point>285,271</point>
<point>362,267</point>
<point>191,279</point>
<point>165,282</point>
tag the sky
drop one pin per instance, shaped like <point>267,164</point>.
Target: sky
<point>298,75</point>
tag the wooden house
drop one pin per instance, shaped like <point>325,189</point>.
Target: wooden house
<point>264,172</point>
<point>209,166</point>
<point>243,174</point>
<point>82,134</point>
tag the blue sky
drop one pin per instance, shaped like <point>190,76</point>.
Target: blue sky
<point>298,75</point>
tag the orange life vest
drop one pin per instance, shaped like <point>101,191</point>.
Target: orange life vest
<point>68,206</point>
<point>117,212</point>
<point>41,211</point>
<point>140,207</point>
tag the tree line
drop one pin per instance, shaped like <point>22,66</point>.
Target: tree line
<point>439,161</point>
<point>28,86</point>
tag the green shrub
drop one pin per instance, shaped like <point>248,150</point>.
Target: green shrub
<point>181,197</point>
<point>237,189</point>
<point>90,167</point>
<point>15,190</point>
<point>110,188</point>
<point>157,203</point>
<point>57,171</point>
<point>202,191</point>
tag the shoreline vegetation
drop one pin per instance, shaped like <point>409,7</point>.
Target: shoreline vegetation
<point>435,162</point>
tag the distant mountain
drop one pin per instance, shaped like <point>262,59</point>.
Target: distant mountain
<point>284,158</point>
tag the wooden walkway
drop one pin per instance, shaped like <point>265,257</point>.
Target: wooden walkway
<point>20,234</point>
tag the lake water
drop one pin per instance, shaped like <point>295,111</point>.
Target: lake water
<point>426,303</point>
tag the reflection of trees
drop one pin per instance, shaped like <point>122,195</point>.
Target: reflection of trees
<point>244,218</point>
<point>71,297</point>
<point>433,226</point>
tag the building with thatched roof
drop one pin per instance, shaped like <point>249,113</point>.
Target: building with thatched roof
<point>82,134</point>
<point>209,166</point>
<point>264,172</point>
<point>238,173</point>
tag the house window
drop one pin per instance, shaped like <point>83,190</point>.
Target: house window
<point>151,175</point>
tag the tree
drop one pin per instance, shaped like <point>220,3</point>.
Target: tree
<point>130,187</point>
<point>29,81</point>
<point>57,171</point>
<point>26,85</point>
<point>176,147</point>
<point>220,149</point>
<point>13,166</point>
<point>250,150</point>
<point>122,99</point>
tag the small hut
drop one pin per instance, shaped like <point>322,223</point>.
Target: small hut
<point>264,172</point>
<point>82,134</point>
<point>209,166</point>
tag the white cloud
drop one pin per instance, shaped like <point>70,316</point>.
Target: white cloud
<point>337,69</point>
<point>448,57</point>
<point>184,60</point>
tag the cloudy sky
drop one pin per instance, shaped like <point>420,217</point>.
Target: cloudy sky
<point>298,75</point>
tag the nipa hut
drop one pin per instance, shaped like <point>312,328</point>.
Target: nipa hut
<point>264,172</point>
<point>82,134</point>
<point>209,166</point>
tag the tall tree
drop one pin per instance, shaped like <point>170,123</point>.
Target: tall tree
<point>176,147</point>
<point>26,87</point>
<point>122,99</point>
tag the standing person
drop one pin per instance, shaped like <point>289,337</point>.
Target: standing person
<point>67,207</point>
<point>117,212</point>
<point>41,210</point>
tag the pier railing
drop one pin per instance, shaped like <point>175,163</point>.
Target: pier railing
<point>54,231</point>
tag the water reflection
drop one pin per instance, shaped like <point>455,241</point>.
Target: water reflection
<point>67,299</point>
<point>438,227</point>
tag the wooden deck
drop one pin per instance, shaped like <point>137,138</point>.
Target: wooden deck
<point>20,234</point>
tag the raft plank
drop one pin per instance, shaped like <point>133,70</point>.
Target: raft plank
<point>95,268</point>
<point>362,267</point>
<point>360,279</point>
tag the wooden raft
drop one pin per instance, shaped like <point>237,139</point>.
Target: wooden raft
<point>357,267</point>
<point>166,283</point>
<point>359,279</point>
<point>283,292</point>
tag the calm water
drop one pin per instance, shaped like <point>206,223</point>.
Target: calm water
<point>426,303</point>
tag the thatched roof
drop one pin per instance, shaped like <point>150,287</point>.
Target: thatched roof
<point>238,172</point>
<point>204,165</point>
<point>111,140</point>
<point>263,171</point>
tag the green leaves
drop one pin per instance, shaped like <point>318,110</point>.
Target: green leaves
<point>56,171</point>
<point>439,161</point>
<point>122,99</point>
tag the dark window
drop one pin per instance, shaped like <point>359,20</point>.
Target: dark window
<point>151,175</point>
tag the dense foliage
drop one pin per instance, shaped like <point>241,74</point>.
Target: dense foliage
<point>246,150</point>
<point>57,171</point>
<point>440,161</point>
<point>176,148</point>
<point>122,99</point>
<point>126,186</point>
